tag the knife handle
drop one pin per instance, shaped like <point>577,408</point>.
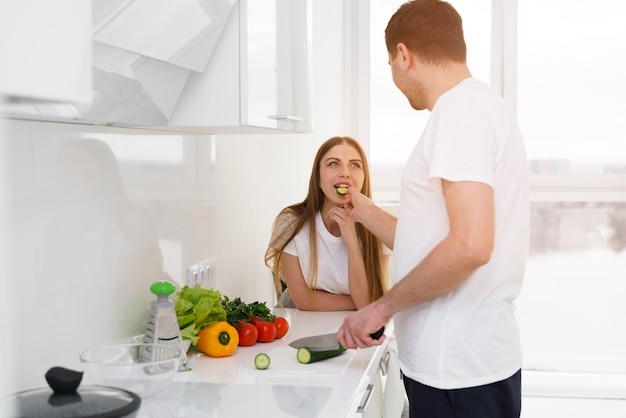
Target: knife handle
<point>378,333</point>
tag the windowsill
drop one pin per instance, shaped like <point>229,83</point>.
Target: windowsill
<point>536,383</point>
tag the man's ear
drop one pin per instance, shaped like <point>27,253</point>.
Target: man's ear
<point>404,55</point>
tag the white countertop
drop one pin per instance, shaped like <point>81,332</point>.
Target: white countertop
<point>232,387</point>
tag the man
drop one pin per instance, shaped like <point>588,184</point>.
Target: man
<point>460,241</point>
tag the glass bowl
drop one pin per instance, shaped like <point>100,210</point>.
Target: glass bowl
<point>144,369</point>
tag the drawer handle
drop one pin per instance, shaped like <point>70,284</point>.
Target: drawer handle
<point>384,364</point>
<point>365,399</point>
<point>286,118</point>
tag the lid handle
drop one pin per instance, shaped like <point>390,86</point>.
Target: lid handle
<point>63,381</point>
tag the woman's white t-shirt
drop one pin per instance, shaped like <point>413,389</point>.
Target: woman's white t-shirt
<point>467,337</point>
<point>332,257</point>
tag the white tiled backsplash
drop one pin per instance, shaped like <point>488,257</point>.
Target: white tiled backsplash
<point>86,245</point>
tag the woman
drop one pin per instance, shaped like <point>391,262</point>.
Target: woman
<point>325,260</point>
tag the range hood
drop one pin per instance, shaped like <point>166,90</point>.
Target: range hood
<point>143,52</point>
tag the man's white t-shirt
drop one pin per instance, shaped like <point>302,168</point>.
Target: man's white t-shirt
<point>467,337</point>
<point>332,258</point>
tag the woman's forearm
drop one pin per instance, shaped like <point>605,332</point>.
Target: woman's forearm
<point>320,300</point>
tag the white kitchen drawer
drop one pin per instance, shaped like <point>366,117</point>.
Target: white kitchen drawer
<point>381,393</point>
<point>367,402</point>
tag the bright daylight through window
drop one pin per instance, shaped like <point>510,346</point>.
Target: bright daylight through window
<point>571,102</point>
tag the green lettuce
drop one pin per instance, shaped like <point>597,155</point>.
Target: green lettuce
<point>190,333</point>
<point>196,308</point>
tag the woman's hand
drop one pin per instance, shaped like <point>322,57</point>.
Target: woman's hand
<point>340,216</point>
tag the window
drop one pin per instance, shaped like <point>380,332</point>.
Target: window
<point>571,87</point>
<point>571,311</point>
<point>566,82</point>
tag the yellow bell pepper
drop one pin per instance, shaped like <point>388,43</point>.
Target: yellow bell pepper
<point>219,339</point>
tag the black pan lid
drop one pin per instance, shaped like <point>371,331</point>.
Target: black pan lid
<point>67,401</point>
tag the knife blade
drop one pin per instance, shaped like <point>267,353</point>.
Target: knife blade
<point>325,342</point>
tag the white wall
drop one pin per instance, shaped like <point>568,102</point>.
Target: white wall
<point>5,308</point>
<point>6,351</point>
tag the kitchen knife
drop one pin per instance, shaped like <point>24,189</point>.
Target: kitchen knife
<point>326,342</point>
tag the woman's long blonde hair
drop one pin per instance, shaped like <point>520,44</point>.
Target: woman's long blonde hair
<point>305,212</point>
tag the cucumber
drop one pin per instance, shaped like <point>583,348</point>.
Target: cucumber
<point>306,355</point>
<point>261,361</point>
<point>342,190</point>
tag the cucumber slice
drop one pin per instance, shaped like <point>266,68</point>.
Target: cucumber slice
<point>262,361</point>
<point>306,355</point>
<point>342,190</point>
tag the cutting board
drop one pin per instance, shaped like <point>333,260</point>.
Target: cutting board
<point>284,363</point>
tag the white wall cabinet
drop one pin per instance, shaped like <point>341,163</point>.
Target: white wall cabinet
<point>192,66</point>
<point>258,76</point>
<point>45,52</point>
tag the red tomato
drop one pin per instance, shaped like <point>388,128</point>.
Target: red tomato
<point>282,326</point>
<point>267,331</point>
<point>255,320</point>
<point>248,334</point>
